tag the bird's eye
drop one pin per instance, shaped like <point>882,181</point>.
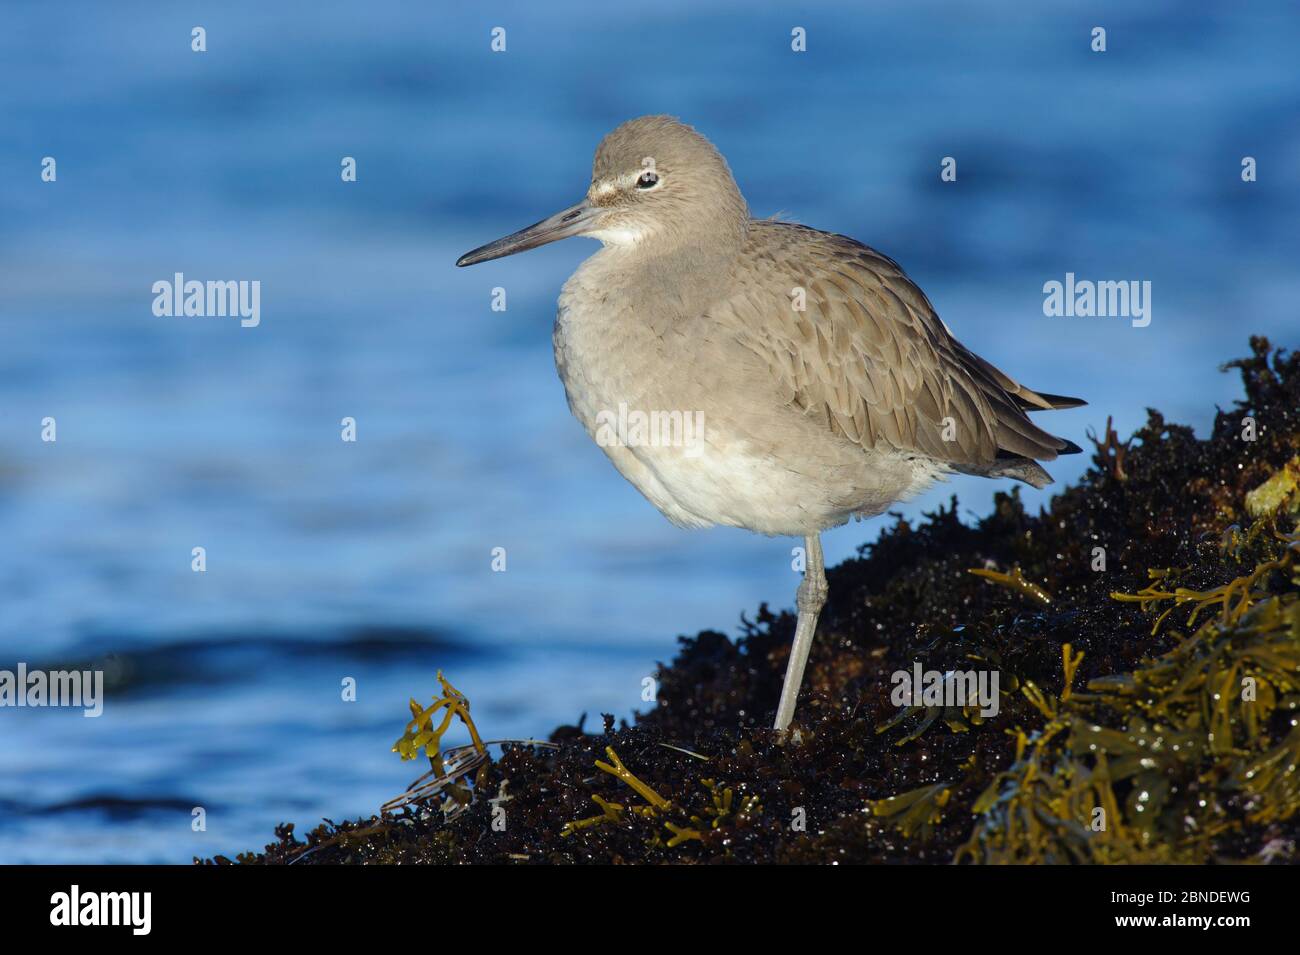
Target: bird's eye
<point>647,180</point>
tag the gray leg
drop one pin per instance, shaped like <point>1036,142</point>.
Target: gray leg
<point>809,598</point>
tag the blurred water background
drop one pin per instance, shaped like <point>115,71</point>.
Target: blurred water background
<point>372,560</point>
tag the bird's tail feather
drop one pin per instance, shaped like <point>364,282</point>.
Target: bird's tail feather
<point>1018,468</point>
<point>1055,402</point>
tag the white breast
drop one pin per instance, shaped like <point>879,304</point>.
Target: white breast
<point>738,469</point>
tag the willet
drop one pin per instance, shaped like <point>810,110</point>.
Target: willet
<point>826,385</point>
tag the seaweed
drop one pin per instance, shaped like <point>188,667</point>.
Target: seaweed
<point>1015,581</point>
<point>444,776</point>
<point>722,809</point>
<point>1147,634</point>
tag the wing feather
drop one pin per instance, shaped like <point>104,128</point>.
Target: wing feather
<point>870,357</point>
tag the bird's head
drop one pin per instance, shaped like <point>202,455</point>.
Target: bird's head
<point>655,184</point>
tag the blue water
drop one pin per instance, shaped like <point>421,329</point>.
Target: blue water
<point>372,560</point>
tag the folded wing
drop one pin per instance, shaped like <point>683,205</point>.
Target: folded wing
<point>869,356</point>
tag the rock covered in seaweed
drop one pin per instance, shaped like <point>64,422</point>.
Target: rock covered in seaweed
<point>1149,704</point>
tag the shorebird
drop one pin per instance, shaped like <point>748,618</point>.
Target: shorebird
<point>826,385</point>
